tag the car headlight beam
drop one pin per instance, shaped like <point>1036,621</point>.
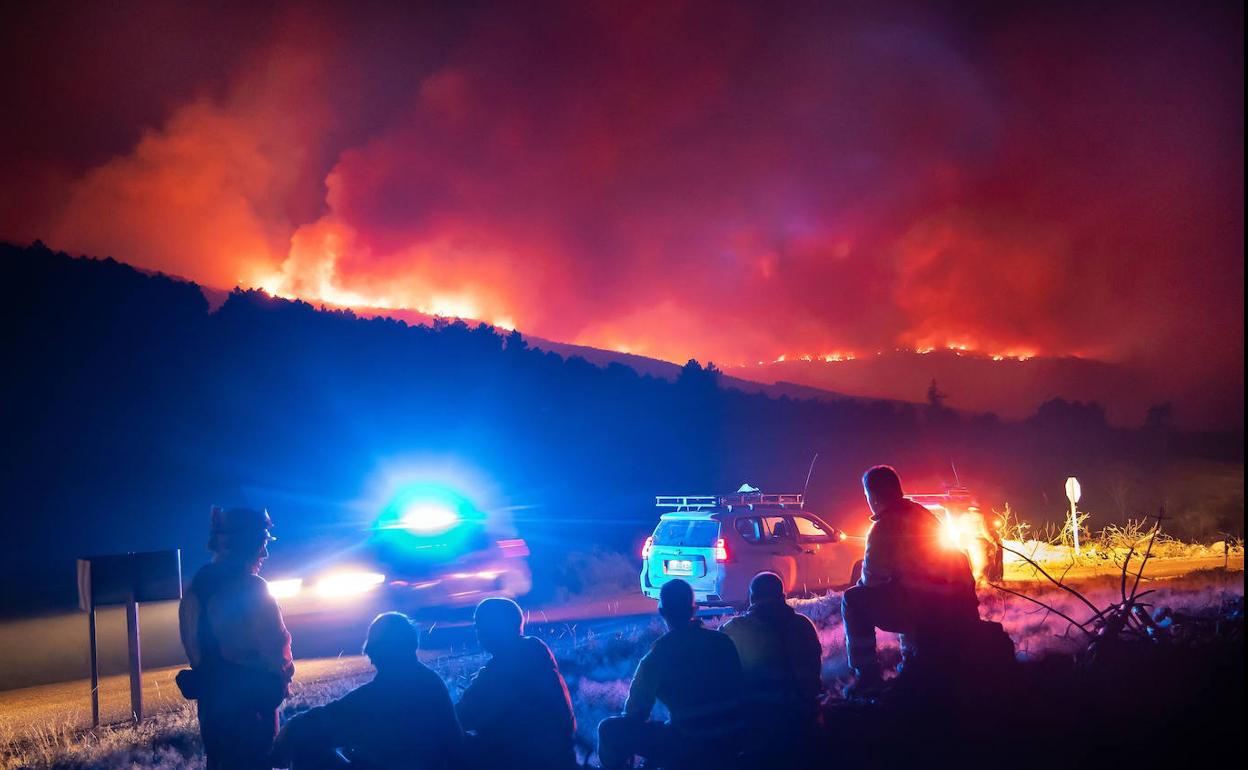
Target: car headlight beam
<point>340,584</point>
<point>285,589</point>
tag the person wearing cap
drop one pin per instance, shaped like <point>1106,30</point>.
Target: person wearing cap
<point>403,718</point>
<point>237,644</point>
<point>781,659</point>
<point>516,709</point>
<point>695,673</point>
<point>911,583</point>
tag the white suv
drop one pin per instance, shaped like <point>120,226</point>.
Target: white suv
<point>718,543</point>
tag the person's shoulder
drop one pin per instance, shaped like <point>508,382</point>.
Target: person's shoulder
<point>740,624</point>
<point>803,623</point>
<point>204,575</point>
<point>659,647</point>
<point>253,585</point>
<point>427,677</point>
<point>535,650</point>
<point>535,646</point>
<point>712,636</point>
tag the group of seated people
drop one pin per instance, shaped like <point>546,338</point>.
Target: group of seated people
<point>759,675</point>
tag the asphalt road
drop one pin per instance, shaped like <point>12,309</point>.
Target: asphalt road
<point>67,705</point>
<point>53,648</point>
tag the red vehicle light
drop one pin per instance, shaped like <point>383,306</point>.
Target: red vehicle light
<point>645,549</point>
<point>721,551</point>
<point>514,549</point>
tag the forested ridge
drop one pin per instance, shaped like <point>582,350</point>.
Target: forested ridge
<point>127,399</point>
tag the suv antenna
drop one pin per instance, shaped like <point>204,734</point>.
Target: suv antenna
<point>809,471</point>
<point>957,482</point>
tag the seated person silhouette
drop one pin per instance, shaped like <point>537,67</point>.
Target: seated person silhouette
<point>781,660</point>
<point>401,720</point>
<point>693,671</point>
<point>911,584</point>
<point>516,708</point>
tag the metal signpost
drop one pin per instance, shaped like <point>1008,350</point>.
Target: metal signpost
<point>126,579</point>
<point>1073,493</point>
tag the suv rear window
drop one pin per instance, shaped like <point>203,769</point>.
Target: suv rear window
<point>698,534</point>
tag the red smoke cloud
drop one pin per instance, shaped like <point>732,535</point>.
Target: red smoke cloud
<point>682,180</point>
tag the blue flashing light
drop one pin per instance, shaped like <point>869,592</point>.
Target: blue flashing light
<point>424,520</point>
<point>428,518</point>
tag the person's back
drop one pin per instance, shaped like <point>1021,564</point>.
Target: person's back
<point>905,549</point>
<point>911,584</point>
<point>228,616</point>
<point>781,656</point>
<point>694,672</point>
<point>401,720</point>
<point>517,704</point>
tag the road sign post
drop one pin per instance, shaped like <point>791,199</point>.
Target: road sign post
<point>135,659</point>
<point>1073,493</point>
<point>125,579</point>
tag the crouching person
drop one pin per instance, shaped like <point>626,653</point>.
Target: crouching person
<point>696,674</point>
<point>911,584</point>
<point>781,659</point>
<point>516,709</point>
<point>237,644</point>
<point>402,719</point>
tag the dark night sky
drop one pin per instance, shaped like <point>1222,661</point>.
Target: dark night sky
<point>733,181</point>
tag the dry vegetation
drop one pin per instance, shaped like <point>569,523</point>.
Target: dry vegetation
<point>1108,547</point>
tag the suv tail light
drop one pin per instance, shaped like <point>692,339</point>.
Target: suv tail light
<point>721,551</point>
<point>645,549</point>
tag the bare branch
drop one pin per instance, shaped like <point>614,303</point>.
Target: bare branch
<point>1051,609</point>
<point>1057,583</point>
<point>1125,564</point>
<point>1161,515</point>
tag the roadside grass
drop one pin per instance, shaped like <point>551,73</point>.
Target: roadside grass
<point>1053,547</point>
<point>598,668</point>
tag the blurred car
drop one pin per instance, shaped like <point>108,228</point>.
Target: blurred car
<point>428,549</point>
<point>718,543</point>
<point>967,527</point>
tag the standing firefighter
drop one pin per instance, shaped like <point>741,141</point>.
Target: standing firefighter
<point>911,584</point>
<point>237,644</point>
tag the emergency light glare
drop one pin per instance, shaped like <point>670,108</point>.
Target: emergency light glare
<point>342,584</point>
<point>429,518</point>
<point>284,589</point>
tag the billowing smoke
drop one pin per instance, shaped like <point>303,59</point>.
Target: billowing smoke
<point>727,181</point>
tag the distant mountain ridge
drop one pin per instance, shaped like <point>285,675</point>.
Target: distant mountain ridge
<point>600,357</point>
<point>975,383</point>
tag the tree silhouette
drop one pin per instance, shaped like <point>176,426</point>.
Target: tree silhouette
<point>935,397</point>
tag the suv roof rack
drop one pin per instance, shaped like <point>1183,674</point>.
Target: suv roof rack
<point>751,499</point>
